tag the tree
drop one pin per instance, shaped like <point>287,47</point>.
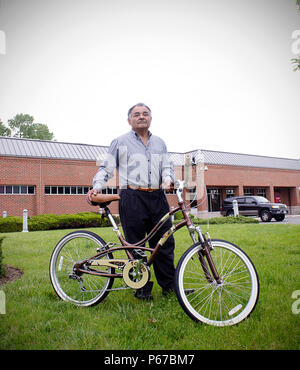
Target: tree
<point>22,126</point>
<point>296,62</point>
<point>4,131</point>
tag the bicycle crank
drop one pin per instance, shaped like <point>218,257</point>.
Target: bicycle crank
<point>136,274</point>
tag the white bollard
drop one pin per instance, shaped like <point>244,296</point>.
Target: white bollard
<point>235,208</point>
<point>4,214</point>
<point>25,221</point>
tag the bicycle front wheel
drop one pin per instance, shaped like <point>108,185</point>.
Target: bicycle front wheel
<point>218,304</point>
<point>84,289</point>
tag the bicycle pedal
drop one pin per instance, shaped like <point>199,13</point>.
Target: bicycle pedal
<point>139,254</point>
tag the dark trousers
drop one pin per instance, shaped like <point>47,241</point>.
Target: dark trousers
<point>139,213</point>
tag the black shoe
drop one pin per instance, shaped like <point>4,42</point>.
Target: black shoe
<point>145,292</point>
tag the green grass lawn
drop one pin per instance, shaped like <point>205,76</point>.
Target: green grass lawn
<point>36,319</point>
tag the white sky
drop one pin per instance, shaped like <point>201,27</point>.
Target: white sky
<point>217,74</point>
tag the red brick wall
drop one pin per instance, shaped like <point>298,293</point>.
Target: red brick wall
<point>249,176</point>
<point>15,204</point>
<point>288,181</point>
<point>41,172</point>
<point>18,171</point>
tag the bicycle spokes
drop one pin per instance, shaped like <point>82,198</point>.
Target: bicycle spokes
<point>223,302</point>
<point>70,279</point>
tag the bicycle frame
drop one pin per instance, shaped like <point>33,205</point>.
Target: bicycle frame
<point>127,247</point>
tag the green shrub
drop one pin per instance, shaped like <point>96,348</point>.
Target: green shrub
<point>55,222</point>
<point>227,220</point>
<point>2,269</point>
<point>11,224</point>
<point>179,216</point>
<point>218,220</point>
<point>90,219</point>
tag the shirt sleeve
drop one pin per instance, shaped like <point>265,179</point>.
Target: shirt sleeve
<point>106,169</point>
<point>167,166</point>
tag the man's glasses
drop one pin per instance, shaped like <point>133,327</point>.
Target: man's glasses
<point>137,114</point>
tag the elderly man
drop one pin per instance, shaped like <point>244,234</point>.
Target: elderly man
<point>144,173</point>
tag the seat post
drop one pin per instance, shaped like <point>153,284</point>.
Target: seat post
<point>110,217</point>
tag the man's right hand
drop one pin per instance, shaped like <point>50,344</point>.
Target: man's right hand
<point>168,186</point>
<point>89,194</point>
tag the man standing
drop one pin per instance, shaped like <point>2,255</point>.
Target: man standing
<point>144,173</point>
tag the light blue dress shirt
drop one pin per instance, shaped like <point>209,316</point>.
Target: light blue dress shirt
<point>138,165</point>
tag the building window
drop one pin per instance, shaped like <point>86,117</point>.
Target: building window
<point>75,190</point>
<point>262,192</point>
<point>213,199</point>
<point>170,192</point>
<point>8,189</point>
<point>17,189</point>
<point>24,189</point>
<point>31,189</point>
<point>229,193</point>
<point>109,190</point>
<point>53,189</point>
<point>248,191</point>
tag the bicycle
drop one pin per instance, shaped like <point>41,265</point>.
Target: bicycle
<point>215,281</point>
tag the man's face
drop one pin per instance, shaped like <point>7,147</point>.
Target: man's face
<point>140,118</point>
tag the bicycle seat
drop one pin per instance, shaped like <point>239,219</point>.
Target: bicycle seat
<point>103,200</point>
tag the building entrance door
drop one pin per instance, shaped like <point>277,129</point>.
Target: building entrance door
<point>213,200</point>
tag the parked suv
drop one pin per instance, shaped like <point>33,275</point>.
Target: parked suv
<point>255,206</point>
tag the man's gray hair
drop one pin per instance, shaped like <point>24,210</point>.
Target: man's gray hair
<point>138,105</point>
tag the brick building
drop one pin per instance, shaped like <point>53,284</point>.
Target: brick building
<point>53,177</point>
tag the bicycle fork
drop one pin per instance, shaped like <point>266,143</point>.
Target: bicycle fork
<point>210,272</point>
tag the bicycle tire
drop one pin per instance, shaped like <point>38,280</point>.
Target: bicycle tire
<point>85,290</point>
<point>224,304</point>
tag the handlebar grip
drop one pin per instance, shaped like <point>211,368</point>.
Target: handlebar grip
<point>179,184</point>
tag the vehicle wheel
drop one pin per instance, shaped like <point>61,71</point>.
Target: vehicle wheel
<point>84,289</point>
<point>279,217</point>
<point>218,304</point>
<point>265,215</point>
<point>229,213</point>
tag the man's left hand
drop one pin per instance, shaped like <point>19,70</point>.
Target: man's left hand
<point>167,185</point>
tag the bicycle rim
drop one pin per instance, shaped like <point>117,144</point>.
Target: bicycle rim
<point>216,304</point>
<point>86,289</point>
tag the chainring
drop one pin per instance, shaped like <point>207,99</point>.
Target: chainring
<point>136,274</point>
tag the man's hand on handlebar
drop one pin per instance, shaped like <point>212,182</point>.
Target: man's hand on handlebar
<point>89,194</point>
<point>168,185</point>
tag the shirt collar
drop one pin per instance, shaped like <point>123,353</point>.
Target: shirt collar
<point>136,135</point>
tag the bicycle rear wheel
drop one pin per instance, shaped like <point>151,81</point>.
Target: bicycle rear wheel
<point>203,299</point>
<point>84,289</point>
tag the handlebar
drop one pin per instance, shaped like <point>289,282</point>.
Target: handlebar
<point>105,199</point>
<point>179,184</point>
